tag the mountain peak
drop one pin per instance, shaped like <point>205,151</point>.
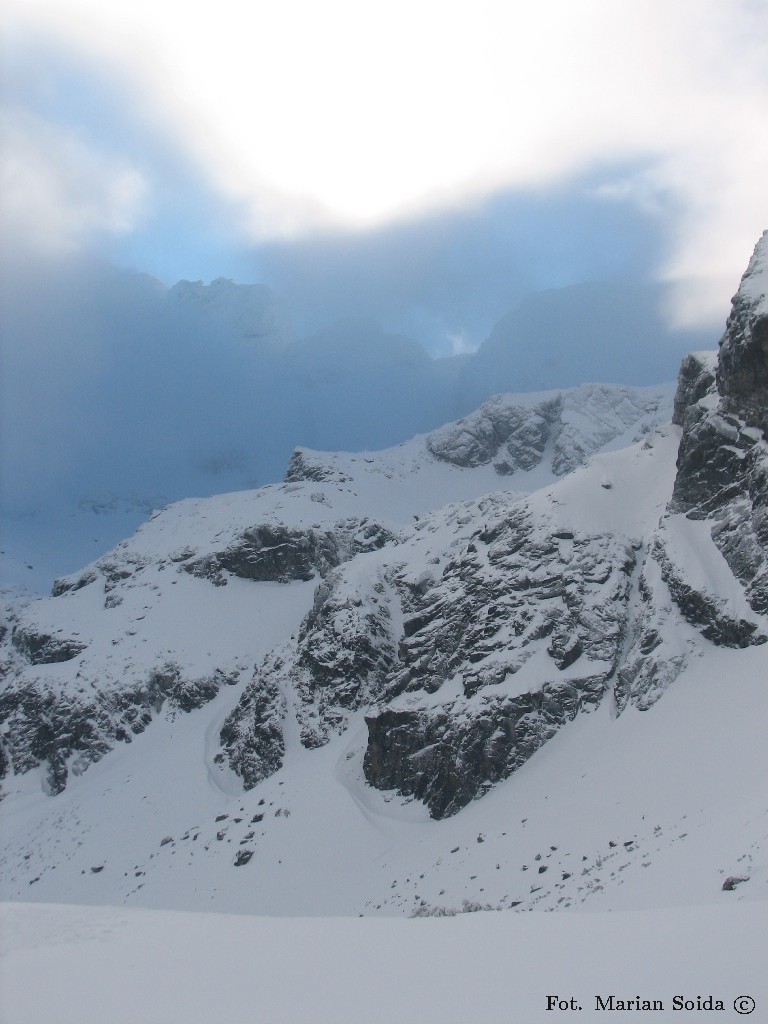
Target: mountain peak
<point>742,377</point>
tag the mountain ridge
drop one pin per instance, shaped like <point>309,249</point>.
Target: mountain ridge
<point>335,652</point>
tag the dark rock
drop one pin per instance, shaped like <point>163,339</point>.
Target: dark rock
<point>706,611</point>
<point>513,437</point>
<point>742,376</point>
<point>722,464</point>
<point>307,465</point>
<point>69,584</point>
<point>695,379</point>
<point>47,724</point>
<point>41,648</point>
<point>732,881</point>
<point>513,434</point>
<point>243,856</point>
<point>277,553</point>
<point>252,734</point>
<point>447,759</point>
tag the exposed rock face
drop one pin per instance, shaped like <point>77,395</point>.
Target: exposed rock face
<point>304,466</point>
<point>513,587</point>
<point>339,663</point>
<point>447,760</point>
<point>65,731</point>
<point>703,609</point>
<point>278,554</point>
<point>515,595</point>
<point>742,377</point>
<point>718,584</point>
<point>67,584</point>
<point>252,735</point>
<point>460,697</point>
<point>43,649</point>
<point>467,669</point>
<point>511,436</point>
<point>723,460</point>
<point>346,648</point>
<point>696,378</point>
<point>109,571</point>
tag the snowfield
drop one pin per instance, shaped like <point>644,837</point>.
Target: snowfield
<point>107,965</point>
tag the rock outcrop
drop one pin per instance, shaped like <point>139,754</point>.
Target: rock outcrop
<point>522,633</point>
<point>278,554</point>
<point>742,376</point>
<point>518,432</point>
<point>723,462</point>
<point>66,729</point>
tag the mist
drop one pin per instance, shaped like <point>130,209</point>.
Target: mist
<point>446,277</point>
<point>116,387</point>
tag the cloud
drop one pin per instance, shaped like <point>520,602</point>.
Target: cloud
<point>59,193</point>
<point>452,274</point>
<point>308,118</point>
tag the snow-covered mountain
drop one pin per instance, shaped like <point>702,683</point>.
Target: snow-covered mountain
<point>517,662</point>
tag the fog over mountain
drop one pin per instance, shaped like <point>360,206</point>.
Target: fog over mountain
<point>120,394</point>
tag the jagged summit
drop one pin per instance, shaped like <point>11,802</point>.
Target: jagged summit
<point>723,460</point>
<point>742,378</point>
<point>252,312</point>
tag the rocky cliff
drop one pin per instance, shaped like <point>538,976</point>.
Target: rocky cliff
<point>469,657</point>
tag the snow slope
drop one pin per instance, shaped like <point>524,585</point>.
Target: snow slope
<point>119,966</point>
<point>589,821</point>
<point>629,830</point>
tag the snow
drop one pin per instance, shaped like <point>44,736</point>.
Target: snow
<point>118,966</point>
<point>626,825</point>
<point>328,844</point>
<point>754,284</point>
<point>701,564</point>
<point>639,482</point>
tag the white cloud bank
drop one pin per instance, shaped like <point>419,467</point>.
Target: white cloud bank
<point>310,114</point>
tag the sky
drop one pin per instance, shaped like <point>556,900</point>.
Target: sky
<point>426,163</point>
<point>578,182</point>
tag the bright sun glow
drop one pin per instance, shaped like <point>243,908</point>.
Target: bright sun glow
<point>351,114</point>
